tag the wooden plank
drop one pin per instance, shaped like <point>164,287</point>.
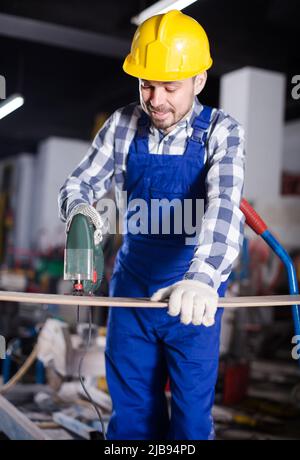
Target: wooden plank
<point>87,301</point>
<point>16,425</point>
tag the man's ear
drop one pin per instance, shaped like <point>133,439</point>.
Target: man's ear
<point>199,82</point>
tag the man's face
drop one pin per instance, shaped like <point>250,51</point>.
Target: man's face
<point>167,102</point>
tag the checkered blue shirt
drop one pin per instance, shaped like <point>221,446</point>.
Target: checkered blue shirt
<point>222,226</point>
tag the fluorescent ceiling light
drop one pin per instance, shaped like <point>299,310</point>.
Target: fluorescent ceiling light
<point>163,6</point>
<point>10,104</point>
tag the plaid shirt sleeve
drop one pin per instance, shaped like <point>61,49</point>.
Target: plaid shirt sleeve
<point>222,229</point>
<point>93,176</point>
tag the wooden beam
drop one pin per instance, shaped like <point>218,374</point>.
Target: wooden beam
<point>88,301</point>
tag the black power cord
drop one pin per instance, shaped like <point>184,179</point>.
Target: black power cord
<point>87,345</point>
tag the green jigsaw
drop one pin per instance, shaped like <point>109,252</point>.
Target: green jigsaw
<point>83,258</point>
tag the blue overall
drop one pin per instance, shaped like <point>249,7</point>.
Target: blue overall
<point>146,346</point>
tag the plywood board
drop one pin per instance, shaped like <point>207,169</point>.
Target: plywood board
<point>87,301</point>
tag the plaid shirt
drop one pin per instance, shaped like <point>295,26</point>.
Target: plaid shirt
<point>222,226</point>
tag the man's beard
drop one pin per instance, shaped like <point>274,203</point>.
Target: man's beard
<point>162,124</point>
<point>168,123</point>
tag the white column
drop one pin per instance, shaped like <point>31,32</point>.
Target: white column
<point>291,147</point>
<point>56,159</point>
<point>24,183</point>
<point>255,98</point>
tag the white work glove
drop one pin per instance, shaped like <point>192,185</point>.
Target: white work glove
<point>90,211</point>
<point>196,302</point>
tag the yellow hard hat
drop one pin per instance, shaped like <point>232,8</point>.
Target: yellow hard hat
<point>168,47</point>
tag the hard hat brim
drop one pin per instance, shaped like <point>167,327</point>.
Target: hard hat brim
<point>144,74</point>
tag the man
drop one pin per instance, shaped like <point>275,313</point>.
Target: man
<point>168,147</point>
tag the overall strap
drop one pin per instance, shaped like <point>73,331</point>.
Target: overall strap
<point>201,124</point>
<point>143,125</point>
<point>140,142</point>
